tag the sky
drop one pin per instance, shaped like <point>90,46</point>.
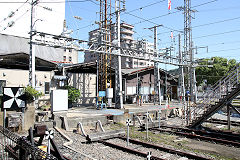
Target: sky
<point>215,23</point>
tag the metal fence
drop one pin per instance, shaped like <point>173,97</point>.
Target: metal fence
<point>13,146</point>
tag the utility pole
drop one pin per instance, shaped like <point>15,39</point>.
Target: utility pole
<point>32,49</point>
<point>118,70</point>
<point>181,78</point>
<point>157,76</point>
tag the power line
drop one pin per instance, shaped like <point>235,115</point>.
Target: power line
<point>140,8</point>
<point>149,20</point>
<point>206,24</point>
<point>14,12</point>
<point>226,20</point>
<point>174,12</point>
<point>216,34</point>
<point>220,9</point>
<point>13,22</point>
<point>222,43</point>
<point>172,29</point>
<point>223,50</point>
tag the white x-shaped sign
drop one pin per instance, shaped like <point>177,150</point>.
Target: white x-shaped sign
<point>49,134</point>
<point>128,122</point>
<point>147,114</point>
<point>149,156</point>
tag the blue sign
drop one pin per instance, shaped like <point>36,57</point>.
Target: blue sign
<point>101,94</point>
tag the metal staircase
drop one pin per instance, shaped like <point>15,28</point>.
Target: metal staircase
<point>223,92</point>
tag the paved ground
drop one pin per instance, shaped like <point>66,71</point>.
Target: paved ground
<point>132,108</point>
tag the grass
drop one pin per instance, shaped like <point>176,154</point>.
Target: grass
<point>164,139</point>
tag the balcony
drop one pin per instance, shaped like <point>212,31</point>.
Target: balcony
<point>126,31</point>
<point>126,37</point>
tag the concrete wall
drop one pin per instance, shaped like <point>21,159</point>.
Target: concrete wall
<point>86,83</point>
<point>19,78</point>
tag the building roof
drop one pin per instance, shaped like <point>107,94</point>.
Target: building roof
<point>14,44</point>
<point>91,67</point>
<point>136,70</point>
<point>21,61</point>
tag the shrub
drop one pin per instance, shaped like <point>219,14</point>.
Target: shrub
<point>73,93</point>
<point>31,94</point>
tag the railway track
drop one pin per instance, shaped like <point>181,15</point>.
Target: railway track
<point>117,148</point>
<point>209,135</point>
<point>224,122</point>
<point>142,148</point>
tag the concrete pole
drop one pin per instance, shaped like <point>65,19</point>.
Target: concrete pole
<point>32,53</point>
<point>156,67</point>
<point>119,72</point>
<point>182,83</point>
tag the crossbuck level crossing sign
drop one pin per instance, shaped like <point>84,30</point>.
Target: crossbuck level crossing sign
<point>13,97</point>
<point>128,122</point>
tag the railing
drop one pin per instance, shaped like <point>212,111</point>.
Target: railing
<point>220,89</point>
<point>13,146</point>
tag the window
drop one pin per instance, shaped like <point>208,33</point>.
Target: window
<point>47,87</point>
<point>2,84</point>
<point>70,59</point>
<point>64,58</point>
<point>70,50</point>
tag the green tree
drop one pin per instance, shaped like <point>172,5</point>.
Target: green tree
<point>212,74</point>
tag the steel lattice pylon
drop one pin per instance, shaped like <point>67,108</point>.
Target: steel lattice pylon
<point>104,59</point>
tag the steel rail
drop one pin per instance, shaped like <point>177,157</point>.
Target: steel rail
<point>129,150</point>
<point>207,131</point>
<point>165,149</point>
<point>193,135</point>
<point>224,122</point>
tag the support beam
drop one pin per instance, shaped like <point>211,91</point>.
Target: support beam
<point>234,108</point>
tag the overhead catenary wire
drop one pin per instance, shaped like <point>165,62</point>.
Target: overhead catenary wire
<point>216,34</point>
<point>223,50</point>
<point>15,20</point>
<point>172,29</point>
<point>148,5</point>
<point>14,12</point>
<point>169,13</point>
<point>207,24</point>
<point>72,14</point>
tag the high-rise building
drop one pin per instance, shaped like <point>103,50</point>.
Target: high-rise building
<point>127,41</point>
